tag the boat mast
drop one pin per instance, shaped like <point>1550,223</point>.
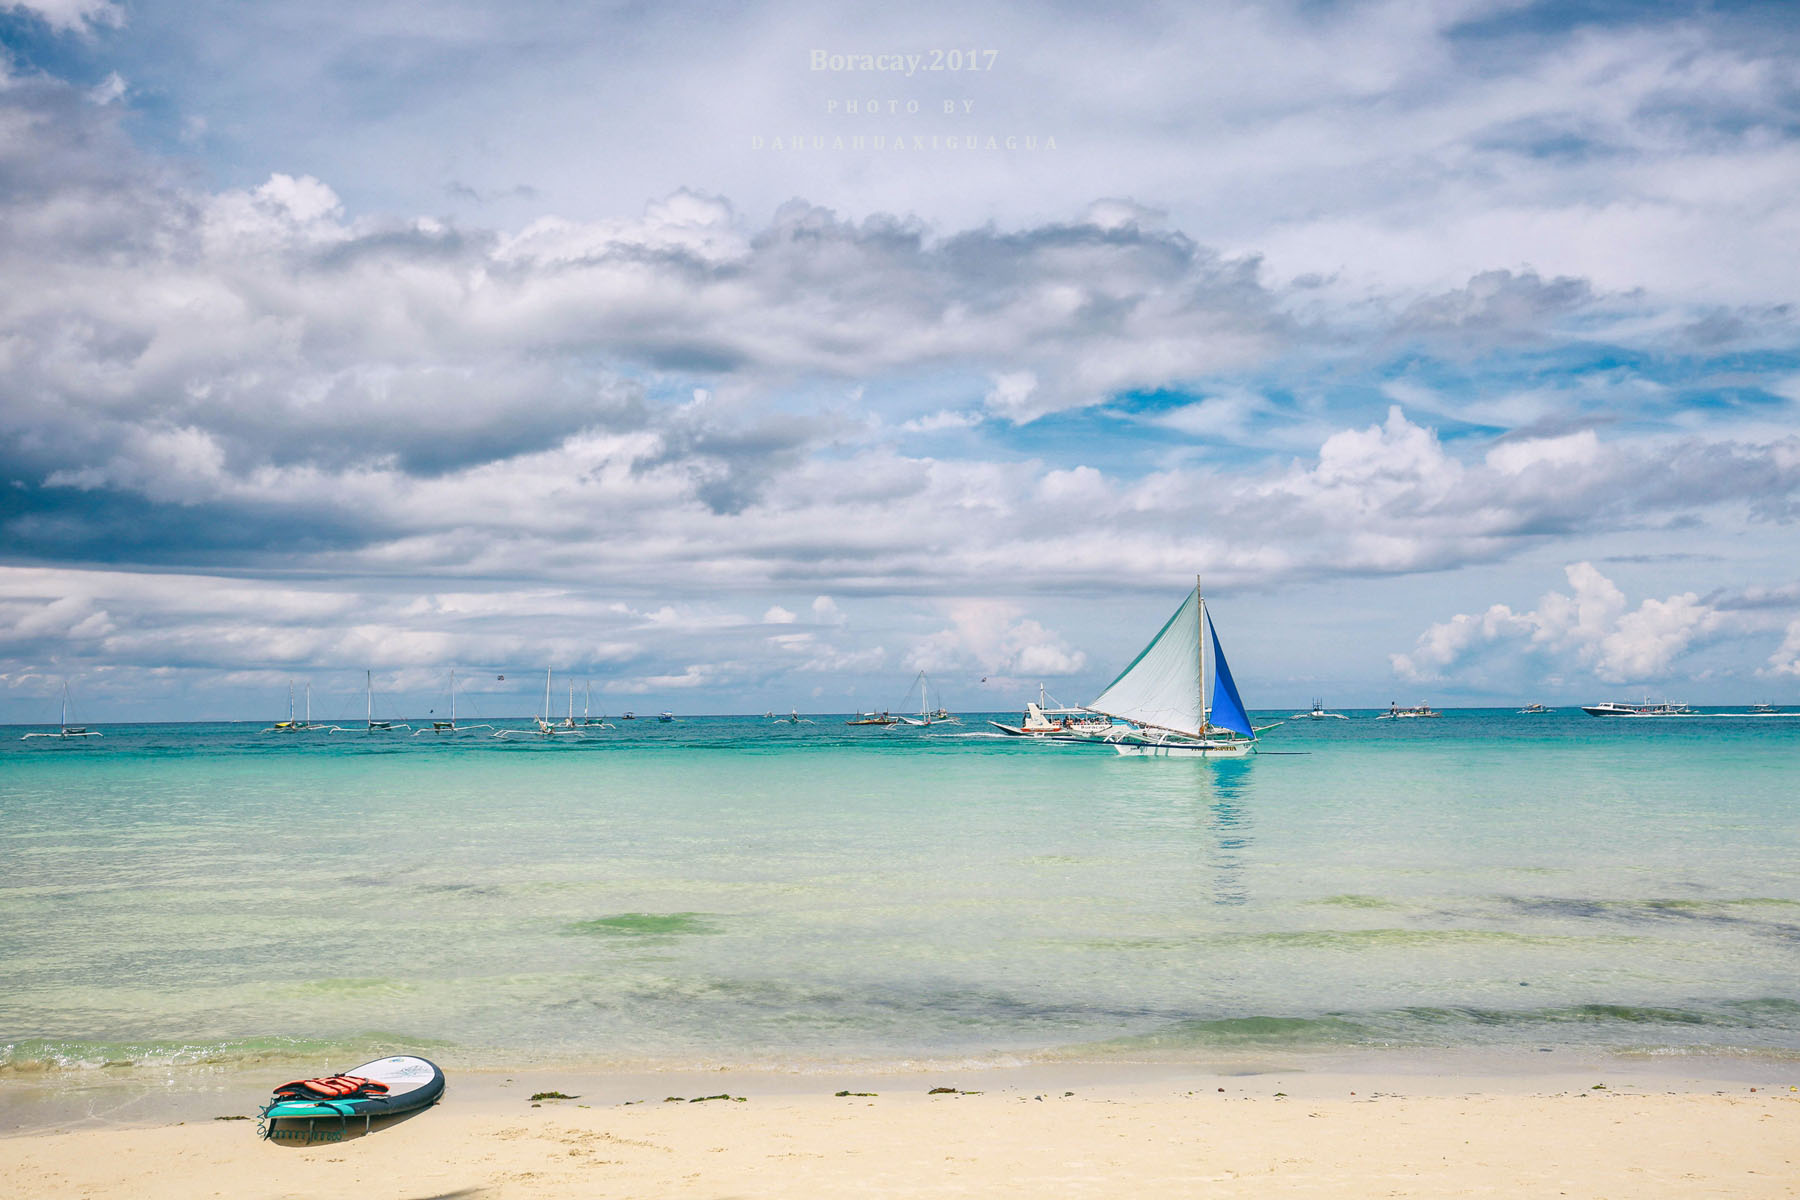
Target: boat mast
<point>309,702</point>
<point>369,691</point>
<point>1200,641</point>
<point>546,695</point>
<point>453,696</point>
<point>290,720</point>
<point>63,721</point>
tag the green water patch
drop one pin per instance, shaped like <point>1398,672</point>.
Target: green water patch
<point>1238,1033</point>
<point>1352,900</point>
<point>647,925</point>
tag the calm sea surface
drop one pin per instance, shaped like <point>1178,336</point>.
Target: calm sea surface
<point>735,891</point>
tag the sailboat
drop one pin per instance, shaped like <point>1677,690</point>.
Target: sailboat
<point>588,703</point>
<point>1164,694</point>
<point>451,726</point>
<point>375,726</point>
<point>290,725</point>
<point>63,728</point>
<point>927,715</point>
<point>544,726</point>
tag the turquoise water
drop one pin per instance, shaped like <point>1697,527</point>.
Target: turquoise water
<point>731,891</point>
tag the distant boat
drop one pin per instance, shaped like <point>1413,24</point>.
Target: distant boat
<point>1764,710</point>
<point>63,728</point>
<point>543,726</point>
<point>1318,713</point>
<point>374,726</point>
<point>450,726</point>
<point>872,718</point>
<point>1535,710</point>
<point>629,716</point>
<point>1396,713</point>
<point>291,725</point>
<point>1616,708</point>
<point>1164,694</point>
<point>586,704</point>
<point>665,718</point>
<point>927,715</point>
<point>1050,721</point>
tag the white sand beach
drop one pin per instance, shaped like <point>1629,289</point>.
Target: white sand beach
<point>1006,1135</point>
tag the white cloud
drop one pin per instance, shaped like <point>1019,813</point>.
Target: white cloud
<point>1593,627</point>
<point>994,638</point>
<point>1786,659</point>
<point>778,615</point>
<point>72,16</point>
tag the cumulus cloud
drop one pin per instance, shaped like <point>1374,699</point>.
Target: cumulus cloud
<point>1592,626</point>
<point>994,638</point>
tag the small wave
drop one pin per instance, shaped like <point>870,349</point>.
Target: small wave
<point>46,1056</point>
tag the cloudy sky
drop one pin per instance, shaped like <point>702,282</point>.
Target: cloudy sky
<point>760,356</point>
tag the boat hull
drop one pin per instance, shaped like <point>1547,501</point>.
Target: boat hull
<point>1168,750</point>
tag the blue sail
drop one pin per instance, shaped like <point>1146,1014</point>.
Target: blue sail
<point>1227,708</point>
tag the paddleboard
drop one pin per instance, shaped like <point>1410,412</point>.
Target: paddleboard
<point>412,1083</point>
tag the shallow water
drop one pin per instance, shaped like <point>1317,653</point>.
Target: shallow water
<point>734,891</point>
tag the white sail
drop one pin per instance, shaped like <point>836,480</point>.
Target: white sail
<point>1161,687</point>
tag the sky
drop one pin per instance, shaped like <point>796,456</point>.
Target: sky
<point>724,358</point>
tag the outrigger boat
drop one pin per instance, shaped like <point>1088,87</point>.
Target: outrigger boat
<point>872,718</point>
<point>1164,694</point>
<point>928,715</point>
<point>1615,708</point>
<point>1318,713</point>
<point>63,728</point>
<point>450,726</point>
<point>1047,720</point>
<point>588,703</point>
<point>290,725</point>
<point>1396,713</point>
<point>371,725</point>
<point>1535,710</point>
<point>543,726</point>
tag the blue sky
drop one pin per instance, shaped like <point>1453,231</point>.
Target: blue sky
<point>1454,345</point>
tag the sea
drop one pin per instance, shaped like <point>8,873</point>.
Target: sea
<point>752,893</point>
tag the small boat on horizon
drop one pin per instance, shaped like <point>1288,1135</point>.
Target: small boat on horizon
<point>1318,713</point>
<point>63,728</point>
<point>1617,708</point>
<point>927,715</point>
<point>450,726</point>
<point>1533,710</point>
<point>291,725</point>
<point>1395,712</point>
<point>872,718</point>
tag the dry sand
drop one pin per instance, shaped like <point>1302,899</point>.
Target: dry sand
<point>1314,1135</point>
